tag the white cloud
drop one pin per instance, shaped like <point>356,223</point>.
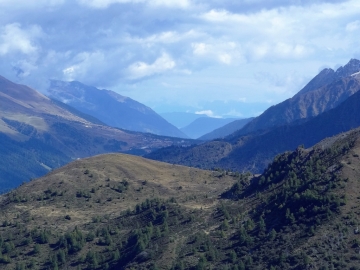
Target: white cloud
<point>199,48</point>
<point>166,37</point>
<point>82,65</point>
<point>213,48</point>
<point>15,39</point>
<point>222,52</point>
<point>288,32</point>
<point>141,69</point>
<point>353,26</point>
<point>29,4</point>
<point>208,113</point>
<point>106,3</point>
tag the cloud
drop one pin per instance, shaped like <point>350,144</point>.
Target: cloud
<point>83,63</point>
<point>211,50</point>
<point>106,3</point>
<point>221,52</point>
<point>166,37</point>
<point>15,39</point>
<point>353,26</point>
<point>30,4</point>
<point>141,69</point>
<point>234,113</point>
<point>284,31</point>
<point>208,113</point>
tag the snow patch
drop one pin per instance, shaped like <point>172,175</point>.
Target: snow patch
<point>355,74</point>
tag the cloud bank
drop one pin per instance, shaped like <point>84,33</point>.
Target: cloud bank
<point>180,54</point>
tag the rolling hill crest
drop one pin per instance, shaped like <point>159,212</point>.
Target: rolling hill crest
<point>121,212</point>
<point>42,134</point>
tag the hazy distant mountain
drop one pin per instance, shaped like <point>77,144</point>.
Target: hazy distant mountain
<point>204,125</point>
<point>226,130</point>
<point>254,151</point>
<point>181,119</point>
<point>38,134</point>
<point>326,91</point>
<point>338,101</point>
<point>111,108</point>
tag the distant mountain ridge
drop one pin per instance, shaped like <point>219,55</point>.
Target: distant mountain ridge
<point>111,108</point>
<point>254,151</point>
<point>314,115</point>
<point>181,119</point>
<point>203,125</point>
<point>226,130</point>
<point>38,134</point>
<point>326,91</point>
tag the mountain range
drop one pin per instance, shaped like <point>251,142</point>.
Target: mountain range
<point>226,130</point>
<point>112,108</point>
<point>204,125</point>
<point>181,119</point>
<point>125,212</point>
<point>305,119</point>
<point>42,134</point>
<point>282,192</point>
<point>326,91</point>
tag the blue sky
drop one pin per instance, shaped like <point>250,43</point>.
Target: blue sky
<point>219,57</point>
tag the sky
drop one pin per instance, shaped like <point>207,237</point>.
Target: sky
<point>216,57</point>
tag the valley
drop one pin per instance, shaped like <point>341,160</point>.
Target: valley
<point>179,135</point>
<point>43,134</point>
<point>125,212</point>
<point>280,192</point>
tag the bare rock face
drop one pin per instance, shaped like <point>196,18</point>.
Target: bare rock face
<point>328,75</point>
<point>350,68</point>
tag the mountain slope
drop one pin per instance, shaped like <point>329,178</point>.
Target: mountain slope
<point>328,75</point>
<point>324,92</point>
<point>226,130</point>
<point>125,212</point>
<point>203,125</point>
<point>254,151</point>
<point>106,192</point>
<point>41,135</point>
<point>111,108</point>
<point>180,119</point>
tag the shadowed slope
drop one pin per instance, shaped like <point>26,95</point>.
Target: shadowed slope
<point>124,212</point>
<point>111,108</point>
<point>41,134</point>
<point>254,151</point>
<point>326,91</point>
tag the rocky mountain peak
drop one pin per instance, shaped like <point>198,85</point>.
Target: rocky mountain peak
<point>328,75</point>
<point>350,68</point>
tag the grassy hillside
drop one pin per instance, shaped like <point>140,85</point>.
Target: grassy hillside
<point>100,206</point>
<point>38,134</point>
<point>126,212</point>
